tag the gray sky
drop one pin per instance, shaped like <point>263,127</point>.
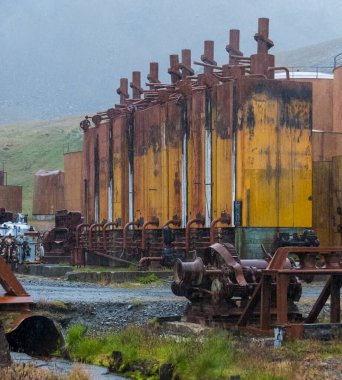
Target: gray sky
<point>65,57</point>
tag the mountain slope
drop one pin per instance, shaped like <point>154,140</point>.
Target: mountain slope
<point>27,147</point>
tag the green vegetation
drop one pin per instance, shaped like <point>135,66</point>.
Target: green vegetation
<point>28,147</point>
<point>144,351</point>
<point>149,279</point>
<point>140,352</point>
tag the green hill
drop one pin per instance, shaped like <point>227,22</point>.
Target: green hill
<point>27,147</point>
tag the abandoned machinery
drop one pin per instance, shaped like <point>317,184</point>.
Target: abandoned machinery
<point>260,294</point>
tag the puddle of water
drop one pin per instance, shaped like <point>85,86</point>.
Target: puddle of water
<point>63,366</point>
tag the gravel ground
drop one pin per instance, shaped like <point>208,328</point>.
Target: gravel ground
<point>102,308</point>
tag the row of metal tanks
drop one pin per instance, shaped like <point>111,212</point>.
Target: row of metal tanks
<point>232,140</point>
<point>229,141</point>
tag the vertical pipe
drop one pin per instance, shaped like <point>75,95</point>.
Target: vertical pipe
<point>110,171</point>
<point>136,84</point>
<point>184,122</point>
<point>234,45</point>
<point>174,68</point>
<point>96,181</point>
<point>123,90</point>
<point>186,63</point>
<point>208,158</point>
<point>153,75</point>
<point>209,55</point>
<point>263,28</point>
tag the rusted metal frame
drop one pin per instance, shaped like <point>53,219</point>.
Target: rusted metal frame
<point>282,283</point>
<point>147,259</point>
<point>251,304</point>
<point>320,302</point>
<point>230,262</point>
<point>9,282</point>
<point>79,228</point>
<point>199,220</point>
<point>152,222</point>
<point>208,65</point>
<point>281,254</point>
<point>91,232</point>
<point>224,218</point>
<point>114,258</point>
<point>335,299</point>
<point>280,68</point>
<point>105,230</point>
<point>265,303</point>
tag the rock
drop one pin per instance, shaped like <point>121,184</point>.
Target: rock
<point>166,371</point>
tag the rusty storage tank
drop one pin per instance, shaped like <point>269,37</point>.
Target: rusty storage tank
<point>221,142</point>
<point>48,195</point>
<point>11,197</point>
<point>73,175</point>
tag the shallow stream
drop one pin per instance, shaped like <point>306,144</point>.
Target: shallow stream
<point>64,366</point>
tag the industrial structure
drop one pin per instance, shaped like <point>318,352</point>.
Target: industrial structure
<point>11,197</point>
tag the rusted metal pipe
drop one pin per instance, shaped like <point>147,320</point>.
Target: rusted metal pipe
<point>176,222</point>
<point>264,43</point>
<point>224,218</point>
<point>152,222</point>
<point>78,233</point>
<point>135,85</point>
<point>208,56</point>
<point>123,90</point>
<point>153,74</point>
<point>174,69</point>
<point>185,66</point>
<point>279,68</point>
<point>198,220</point>
<point>90,232</point>
<point>110,224</point>
<point>125,229</point>
<point>114,258</point>
<point>214,67</point>
<point>233,48</point>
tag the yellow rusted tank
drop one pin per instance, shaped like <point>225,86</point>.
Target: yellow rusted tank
<point>273,153</point>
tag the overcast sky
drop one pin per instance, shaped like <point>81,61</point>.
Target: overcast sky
<point>65,57</point>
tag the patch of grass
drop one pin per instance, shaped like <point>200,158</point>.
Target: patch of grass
<point>131,268</point>
<point>210,357</point>
<point>149,279</point>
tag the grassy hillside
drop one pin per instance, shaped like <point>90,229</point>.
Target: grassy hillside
<point>27,147</point>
